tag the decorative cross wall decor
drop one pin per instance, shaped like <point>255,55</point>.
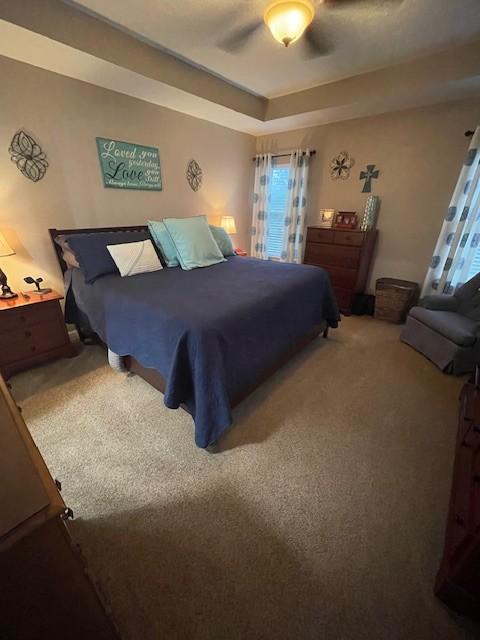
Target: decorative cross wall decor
<point>368,175</point>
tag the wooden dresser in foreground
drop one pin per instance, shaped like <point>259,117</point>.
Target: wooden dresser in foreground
<point>346,255</point>
<point>32,330</point>
<point>458,580</point>
<point>45,589</point>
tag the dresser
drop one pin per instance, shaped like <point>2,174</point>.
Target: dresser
<point>458,579</point>
<point>346,255</point>
<point>32,330</point>
<point>45,589</point>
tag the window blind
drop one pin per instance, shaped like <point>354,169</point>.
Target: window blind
<point>475,265</point>
<point>277,209</point>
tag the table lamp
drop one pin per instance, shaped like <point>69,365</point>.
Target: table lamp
<point>228,223</point>
<point>5,250</point>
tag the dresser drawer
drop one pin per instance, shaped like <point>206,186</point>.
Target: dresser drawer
<point>476,492</point>
<point>27,316</point>
<point>332,255</point>
<point>342,278</point>
<point>352,238</point>
<point>463,491</point>
<point>319,235</point>
<point>35,340</point>
<point>344,299</point>
<point>471,437</point>
<point>470,410</point>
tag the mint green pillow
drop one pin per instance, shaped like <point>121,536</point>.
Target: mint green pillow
<point>194,242</point>
<point>163,241</point>
<point>223,240</point>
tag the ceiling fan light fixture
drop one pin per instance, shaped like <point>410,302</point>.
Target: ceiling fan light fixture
<point>288,19</point>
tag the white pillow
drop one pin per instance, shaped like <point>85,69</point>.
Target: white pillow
<point>135,257</point>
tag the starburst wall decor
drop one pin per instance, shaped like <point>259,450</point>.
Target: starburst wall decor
<point>340,166</point>
<point>194,175</point>
<point>27,154</point>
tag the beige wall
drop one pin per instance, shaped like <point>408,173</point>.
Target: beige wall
<point>419,154</point>
<point>65,116</point>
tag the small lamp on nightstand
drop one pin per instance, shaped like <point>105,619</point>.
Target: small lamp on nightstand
<point>228,223</point>
<point>5,250</point>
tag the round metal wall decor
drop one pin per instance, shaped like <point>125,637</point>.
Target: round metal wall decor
<point>27,154</point>
<point>340,166</point>
<point>194,175</point>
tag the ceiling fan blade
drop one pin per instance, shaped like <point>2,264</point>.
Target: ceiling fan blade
<point>317,41</point>
<point>238,38</point>
<point>365,4</point>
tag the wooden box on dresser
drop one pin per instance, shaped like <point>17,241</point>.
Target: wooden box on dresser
<point>45,589</point>
<point>346,255</point>
<point>32,330</point>
<point>458,579</point>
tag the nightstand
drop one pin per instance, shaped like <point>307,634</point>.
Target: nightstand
<point>32,330</point>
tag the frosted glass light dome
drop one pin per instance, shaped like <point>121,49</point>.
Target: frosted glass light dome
<point>288,19</point>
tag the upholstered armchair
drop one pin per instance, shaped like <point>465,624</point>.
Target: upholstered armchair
<point>446,329</point>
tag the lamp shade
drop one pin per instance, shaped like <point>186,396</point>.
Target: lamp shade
<point>228,223</point>
<point>5,248</point>
<point>288,19</point>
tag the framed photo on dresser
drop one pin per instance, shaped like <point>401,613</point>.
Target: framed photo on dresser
<point>346,220</point>
<point>325,218</point>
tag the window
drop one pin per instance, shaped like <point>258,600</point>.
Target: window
<point>475,265</point>
<point>277,210</point>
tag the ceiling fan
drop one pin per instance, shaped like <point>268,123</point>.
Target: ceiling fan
<point>288,20</point>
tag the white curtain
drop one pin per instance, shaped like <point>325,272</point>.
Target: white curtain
<point>459,238</point>
<point>263,174</point>
<point>296,215</point>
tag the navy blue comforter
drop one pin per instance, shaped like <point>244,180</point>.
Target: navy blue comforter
<point>210,332</point>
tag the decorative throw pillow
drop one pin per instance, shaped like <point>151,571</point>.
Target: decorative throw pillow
<point>194,242</point>
<point>67,253</point>
<point>163,241</point>
<point>92,254</point>
<point>223,240</point>
<point>135,257</point>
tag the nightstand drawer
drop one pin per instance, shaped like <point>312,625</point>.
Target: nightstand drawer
<point>27,316</point>
<point>32,331</point>
<point>29,332</point>
<point>40,339</point>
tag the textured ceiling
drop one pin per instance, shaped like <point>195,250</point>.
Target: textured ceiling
<point>366,35</point>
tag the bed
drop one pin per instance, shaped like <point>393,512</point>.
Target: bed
<point>207,337</point>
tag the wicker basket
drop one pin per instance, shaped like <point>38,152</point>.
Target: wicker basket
<point>394,298</point>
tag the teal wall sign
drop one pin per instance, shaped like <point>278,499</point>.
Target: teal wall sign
<point>129,166</point>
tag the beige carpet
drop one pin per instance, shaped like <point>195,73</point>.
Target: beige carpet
<point>321,518</point>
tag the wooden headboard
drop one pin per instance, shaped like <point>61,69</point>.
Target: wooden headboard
<point>54,233</point>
